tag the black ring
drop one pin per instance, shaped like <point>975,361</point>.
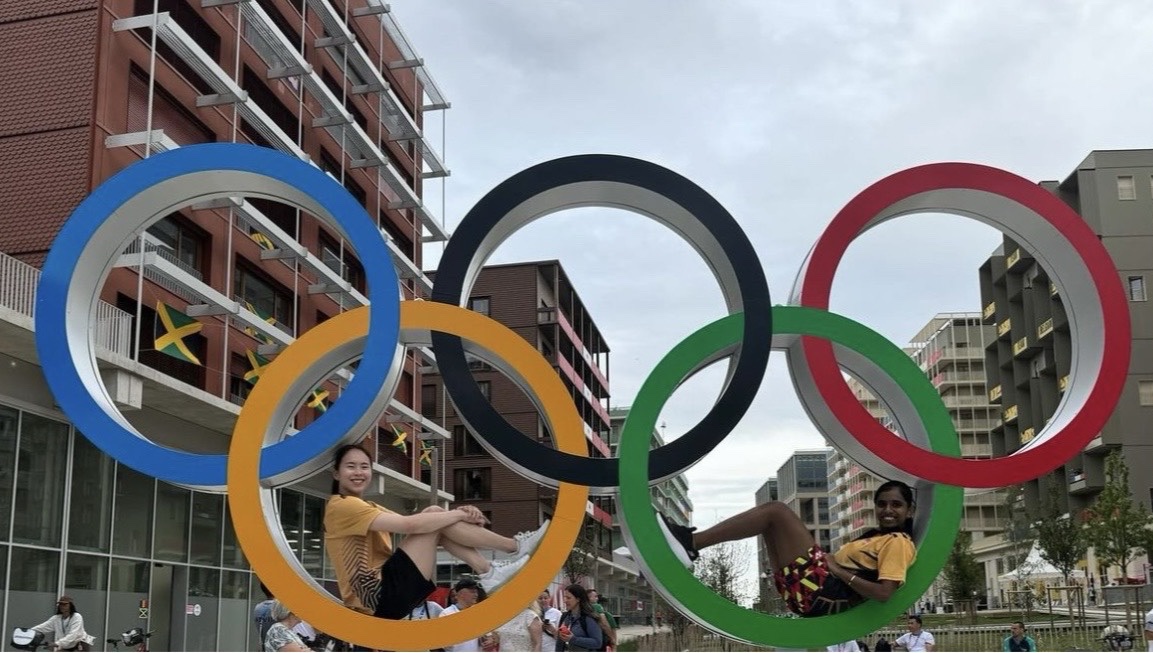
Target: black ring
<point>610,177</point>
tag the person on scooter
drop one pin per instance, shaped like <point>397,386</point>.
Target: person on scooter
<point>65,629</point>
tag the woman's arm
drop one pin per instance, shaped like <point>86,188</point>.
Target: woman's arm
<point>534,630</point>
<point>45,627</point>
<point>421,522</point>
<point>877,591</point>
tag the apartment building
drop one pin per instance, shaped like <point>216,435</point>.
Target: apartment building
<point>1028,363</point>
<point>97,86</point>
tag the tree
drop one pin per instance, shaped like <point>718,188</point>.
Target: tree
<point>723,567</point>
<point>581,560</point>
<point>964,577</point>
<point>1020,538</point>
<point>1114,525</point>
<point>1060,538</point>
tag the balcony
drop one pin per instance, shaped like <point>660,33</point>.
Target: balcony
<point>958,378</point>
<point>964,401</point>
<point>1013,259</point>
<point>989,311</point>
<point>1045,329</point>
<point>1009,414</point>
<point>995,394</point>
<point>1004,327</point>
<point>976,450</point>
<point>1079,483</point>
<point>1027,435</point>
<point>1024,346</point>
<point>18,281</point>
<point>1063,383</point>
<point>1052,289</point>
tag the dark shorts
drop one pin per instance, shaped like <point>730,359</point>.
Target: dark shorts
<point>810,589</point>
<point>402,587</point>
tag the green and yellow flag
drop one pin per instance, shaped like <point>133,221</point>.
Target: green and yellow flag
<point>425,455</point>
<point>264,241</point>
<point>401,439</point>
<point>170,330</point>
<point>259,335</point>
<point>258,364</point>
<point>317,400</point>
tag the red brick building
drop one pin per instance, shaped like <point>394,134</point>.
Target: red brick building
<point>537,301</point>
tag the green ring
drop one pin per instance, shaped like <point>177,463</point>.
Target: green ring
<point>696,600</point>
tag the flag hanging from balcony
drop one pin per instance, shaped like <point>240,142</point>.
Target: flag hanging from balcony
<point>264,241</point>
<point>169,331</point>
<point>258,364</point>
<point>259,335</point>
<point>317,400</point>
<point>400,441</point>
<point>425,455</point>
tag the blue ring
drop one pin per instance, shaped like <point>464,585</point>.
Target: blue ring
<point>182,467</point>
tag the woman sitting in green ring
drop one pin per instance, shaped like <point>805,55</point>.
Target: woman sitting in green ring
<point>811,582</point>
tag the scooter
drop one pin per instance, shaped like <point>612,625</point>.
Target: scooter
<point>133,637</point>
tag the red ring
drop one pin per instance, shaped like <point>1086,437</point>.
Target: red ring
<point>1004,470</point>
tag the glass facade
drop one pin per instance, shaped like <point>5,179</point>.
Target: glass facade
<point>130,550</point>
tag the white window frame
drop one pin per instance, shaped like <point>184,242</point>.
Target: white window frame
<point>1145,393</point>
<point>1126,194</point>
<point>1135,288</point>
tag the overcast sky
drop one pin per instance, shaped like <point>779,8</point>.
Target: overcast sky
<point>783,112</point>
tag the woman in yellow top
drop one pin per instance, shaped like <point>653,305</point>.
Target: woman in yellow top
<point>377,579</point>
<point>811,582</point>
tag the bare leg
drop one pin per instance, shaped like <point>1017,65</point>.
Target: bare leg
<point>786,536</point>
<point>422,548</point>
<point>478,537</point>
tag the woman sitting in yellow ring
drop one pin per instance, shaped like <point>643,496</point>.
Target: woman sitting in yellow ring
<point>811,582</point>
<point>375,578</point>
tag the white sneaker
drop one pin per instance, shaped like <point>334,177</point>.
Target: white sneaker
<point>500,573</point>
<point>526,543</point>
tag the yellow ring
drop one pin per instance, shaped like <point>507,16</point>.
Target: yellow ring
<point>284,578</point>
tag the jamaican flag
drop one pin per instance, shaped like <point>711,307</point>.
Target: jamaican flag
<point>425,455</point>
<point>264,241</point>
<point>170,329</point>
<point>400,441</point>
<point>259,335</point>
<point>317,400</point>
<point>258,364</point>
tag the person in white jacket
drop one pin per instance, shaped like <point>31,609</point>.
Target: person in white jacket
<point>65,629</point>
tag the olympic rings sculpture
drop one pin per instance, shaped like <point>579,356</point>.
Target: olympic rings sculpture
<point>817,344</point>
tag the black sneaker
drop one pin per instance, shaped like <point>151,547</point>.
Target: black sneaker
<point>680,540</point>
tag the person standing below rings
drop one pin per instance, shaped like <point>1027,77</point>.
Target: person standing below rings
<point>550,619</point>
<point>468,593</point>
<point>579,629</point>
<point>850,645</point>
<point>282,635</point>
<point>260,614</point>
<point>66,628</point>
<point>377,579</point>
<point>607,621</point>
<point>1017,639</point>
<point>811,582</point>
<point>917,639</point>
<point>522,632</point>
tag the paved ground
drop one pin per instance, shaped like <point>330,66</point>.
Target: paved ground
<point>626,633</point>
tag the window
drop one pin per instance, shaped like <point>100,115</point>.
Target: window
<point>485,389</point>
<point>464,444</point>
<point>342,261</point>
<point>184,242</point>
<point>1145,392</point>
<point>332,166</point>
<point>1126,189</point>
<point>190,21</point>
<point>168,113</point>
<point>479,304</point>
<point>473,484</point>
<point>266,296</point>
<point>264,96</point>
<point>428,397</point>
<point>403,241</point>
<point>1137,289</point>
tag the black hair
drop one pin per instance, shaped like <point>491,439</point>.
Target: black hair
<point>338,458</point>
<point>906,494</point>
<point>69,601</point>
<point>582,597</point>
<point>916,618</point>
<point>1019,623</point>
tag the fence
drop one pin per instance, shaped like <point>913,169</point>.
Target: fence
<point>1059,637</point>
<point>18,282</point>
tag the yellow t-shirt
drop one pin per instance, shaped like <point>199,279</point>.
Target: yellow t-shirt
<point>357,553</point>
<point>889,555</point>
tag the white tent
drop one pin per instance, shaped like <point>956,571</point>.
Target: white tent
<point>1034,568</point>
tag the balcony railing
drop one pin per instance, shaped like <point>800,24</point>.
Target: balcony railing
<point>1052,289</point>
<point>18,282</point>
<point>995,393</point>
<point>1045,329</point>
<point>1027,435</point>
<point>989,311</point>
<point>1063,383</point>
<point>1021,345</point>
<point>1004,327</point>
<point>1013,259</point>
<point>1010,413</point>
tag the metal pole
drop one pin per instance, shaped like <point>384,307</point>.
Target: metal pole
<point>434,476</point>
